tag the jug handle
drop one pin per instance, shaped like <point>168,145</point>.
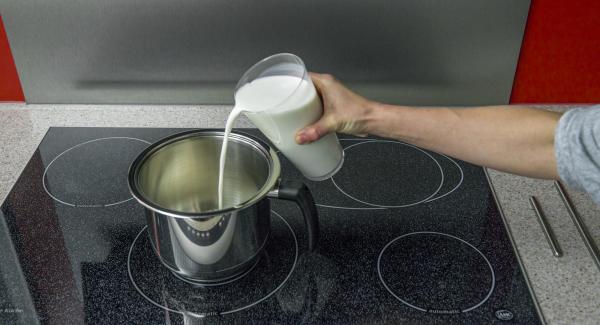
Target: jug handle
<point>299,193</point>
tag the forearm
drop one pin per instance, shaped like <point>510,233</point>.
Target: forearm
<point>519,140</point>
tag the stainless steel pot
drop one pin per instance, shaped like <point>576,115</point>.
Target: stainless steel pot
<point>176,180</point>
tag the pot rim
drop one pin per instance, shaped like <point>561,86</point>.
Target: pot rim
<point>269,153</point>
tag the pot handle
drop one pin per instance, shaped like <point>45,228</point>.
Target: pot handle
<point>299,193</point>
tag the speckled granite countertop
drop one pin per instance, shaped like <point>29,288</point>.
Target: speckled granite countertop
<point>567,288</point>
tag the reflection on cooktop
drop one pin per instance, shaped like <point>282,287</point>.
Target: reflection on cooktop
<point>163,289</point>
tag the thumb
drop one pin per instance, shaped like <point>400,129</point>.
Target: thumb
<point>315,131</point>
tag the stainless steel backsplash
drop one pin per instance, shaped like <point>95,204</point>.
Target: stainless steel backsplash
<point>426,52</point>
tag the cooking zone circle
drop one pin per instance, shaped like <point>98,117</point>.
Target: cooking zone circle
<point>402,183</point>
<point>161,288</point>
<point>449,188</point>
<point>436,273</point>
<point>93,173</point>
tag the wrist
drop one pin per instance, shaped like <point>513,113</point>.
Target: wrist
<point>395,122</point>
<point>378,119</point>
<point>371,117</point>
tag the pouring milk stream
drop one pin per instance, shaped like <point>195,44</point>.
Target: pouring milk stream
<point>279,105</point>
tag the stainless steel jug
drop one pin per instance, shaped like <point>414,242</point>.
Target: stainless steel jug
<point>176,180</point>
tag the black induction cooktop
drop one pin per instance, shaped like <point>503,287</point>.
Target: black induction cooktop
<point>407,236</point>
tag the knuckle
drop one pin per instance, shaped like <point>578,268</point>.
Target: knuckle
<point>328,77</point>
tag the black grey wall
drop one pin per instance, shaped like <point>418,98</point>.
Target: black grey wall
<point>184,51</point>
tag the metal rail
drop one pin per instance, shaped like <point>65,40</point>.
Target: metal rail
<point>548,233</point>
<point>585,235</point>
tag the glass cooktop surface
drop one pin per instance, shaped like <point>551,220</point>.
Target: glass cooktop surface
<point>407,236</point>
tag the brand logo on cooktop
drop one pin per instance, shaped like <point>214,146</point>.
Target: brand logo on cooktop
<point>504,314</point>
<point>442,311</point>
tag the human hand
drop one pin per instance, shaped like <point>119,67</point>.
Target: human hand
<point>343,111</point>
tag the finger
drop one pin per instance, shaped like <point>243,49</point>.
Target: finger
<point>315,131</point>
<point>316,79</point>
<point>321,80</point>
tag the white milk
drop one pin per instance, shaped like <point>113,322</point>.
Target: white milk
<point>268,104</point>
<point>228,126</point>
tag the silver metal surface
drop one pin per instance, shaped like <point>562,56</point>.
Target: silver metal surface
<point>177,180</point>
<point>585,235</point>
<point>274,193</point>
<point>548,233</point>
<point>178,176</point>
<point>514,247</point>
<point>12,280</point>
<point>427,52</point>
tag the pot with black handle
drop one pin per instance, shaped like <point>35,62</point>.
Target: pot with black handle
<point>176,180</point>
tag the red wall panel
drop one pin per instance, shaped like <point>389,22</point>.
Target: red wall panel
<point>560,55</point>
<point>10,87</point>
